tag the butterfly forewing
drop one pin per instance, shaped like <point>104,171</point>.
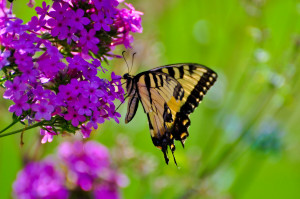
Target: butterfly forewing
<point>168,95</point>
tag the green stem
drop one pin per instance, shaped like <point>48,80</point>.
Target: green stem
<point>22,130</point>
<point>13,123</point>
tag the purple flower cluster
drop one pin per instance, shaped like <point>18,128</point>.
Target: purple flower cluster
<point>89,167</point>
<point>86,167</point>
<point>52,64</point>
<point>40,180</point>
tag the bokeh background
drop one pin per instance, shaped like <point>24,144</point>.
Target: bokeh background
<point>244,138</point>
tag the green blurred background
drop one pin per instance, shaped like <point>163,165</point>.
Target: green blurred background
<point>244,137</point>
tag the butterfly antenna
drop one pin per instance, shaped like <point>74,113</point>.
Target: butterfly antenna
<point>125,60</point>
<point>132,61</point>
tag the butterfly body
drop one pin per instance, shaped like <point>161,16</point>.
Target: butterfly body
<point>168,95</point>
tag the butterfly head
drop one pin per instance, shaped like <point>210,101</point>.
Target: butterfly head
<point>127,76</point>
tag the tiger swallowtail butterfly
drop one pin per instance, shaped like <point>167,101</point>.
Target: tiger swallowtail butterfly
<point>169,94</point>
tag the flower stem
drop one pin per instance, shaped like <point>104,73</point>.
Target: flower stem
<point>23,129</point>
<point>13,123</point>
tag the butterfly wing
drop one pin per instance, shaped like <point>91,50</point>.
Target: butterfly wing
<point>195,79</point>
<point>133,99</point>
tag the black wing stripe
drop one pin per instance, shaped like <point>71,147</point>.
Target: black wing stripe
<point>161,80</point>
<point>192,67</point>
<point>155,81</point>
<point>181,72</point>
<point>148,85</point>
<point>171,72</point>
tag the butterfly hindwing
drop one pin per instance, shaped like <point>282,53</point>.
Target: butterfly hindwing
<point>168,95</point>
<point>195,79</point>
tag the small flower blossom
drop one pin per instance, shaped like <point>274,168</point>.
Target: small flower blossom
<point>59,10</point>
<point>20,105</point>
<point>42,11</point>
<point>42,110</point>
<point>47,135</point>
<point>59,26</point>
<point>16,26</point>
<point>95,120</point>
<point>84,106</point>
<point>36,24</point>
<point>74,116</point>
<point>101,22</point>
<point>89,41</point>
<point>77,20</point>
<point>15,89</point>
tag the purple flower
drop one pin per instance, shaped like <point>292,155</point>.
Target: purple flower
<point>23,59</point>
<point>20,105</point>
<point>16,26</point>
<point>85,161</point>
<point>60,10</point>
<point>40,93</point>
<point>50,66</point>
<point>14,89</point>
<point>92,92</point>
<point>89,41</point>
<point>53,52</point>
<point>74,116</point>
<point>69,35</point>
<point>75,86</point>
<point>95,120</point>
<point>44,10</point>
<point>36,24</point>
<point>96,63</point>
<point>3,58</point>
<point>113,114</point>
<point>90,72</point>
<point>43,110</point>
<point>28,74</point>
<point>40,180</point>
<point>84,106</point>
<point>66,93</point>
<point>77,62</point>
<point>59,26</point>
<point>101,22</point>
<point>77,19</point>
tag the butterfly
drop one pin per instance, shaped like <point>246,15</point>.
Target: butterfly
<point>169,94</point>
